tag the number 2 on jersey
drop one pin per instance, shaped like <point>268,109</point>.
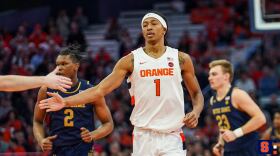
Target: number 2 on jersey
<point>157,82</point>
<point>69,115</point>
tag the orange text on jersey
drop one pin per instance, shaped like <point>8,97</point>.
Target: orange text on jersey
<point>157,72</point>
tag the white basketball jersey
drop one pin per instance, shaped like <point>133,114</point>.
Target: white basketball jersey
<point>157,91</point>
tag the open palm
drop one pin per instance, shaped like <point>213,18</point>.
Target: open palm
<point>55,103</point>
<point>57,82</point>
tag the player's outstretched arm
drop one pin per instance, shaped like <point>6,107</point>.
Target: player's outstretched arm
<point>107,85</point>
<point>104,115</point>
<point>20,83</point>
<point>190,80</point>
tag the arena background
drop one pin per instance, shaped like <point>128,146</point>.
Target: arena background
<point>33,31</point>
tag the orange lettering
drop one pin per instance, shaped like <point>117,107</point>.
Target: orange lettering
<point>154,72</point>
<point>170,71</point>
<point>148,72</point>
<point>165,71</point>
<point>142,73</point>
<point>157,72</point>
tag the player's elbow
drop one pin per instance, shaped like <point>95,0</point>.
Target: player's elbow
<point>261,119</point>
<point>37,124</point>
<point>37,121</point>
<point>110,127</point>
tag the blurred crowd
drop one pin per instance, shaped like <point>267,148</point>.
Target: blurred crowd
<point>32,51</point>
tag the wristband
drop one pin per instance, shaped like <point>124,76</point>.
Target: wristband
<point>238,132</point>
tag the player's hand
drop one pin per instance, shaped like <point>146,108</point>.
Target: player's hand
<point>86,135</point>
<point>57,82</point>
<point>46,143</point>
<point>218,149</point>
<point>55,103</point>
<point>228,135</point>
<point>191,119</point>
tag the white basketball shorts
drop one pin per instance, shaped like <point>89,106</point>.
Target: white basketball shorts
<point>151,143</point>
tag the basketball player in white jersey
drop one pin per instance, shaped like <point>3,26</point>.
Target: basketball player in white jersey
<point>155,72</point>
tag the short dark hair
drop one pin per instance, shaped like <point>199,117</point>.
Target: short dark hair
<point>165,19</point>
<point>75,53</point>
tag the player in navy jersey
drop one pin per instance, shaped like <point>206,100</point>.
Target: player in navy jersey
<point>273,133</point>
<point>71,130</point>
<point>237,115</point>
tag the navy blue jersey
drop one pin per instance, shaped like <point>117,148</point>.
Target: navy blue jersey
<point>274,135</point>
<point>230,118</point>
<point>66,123</point>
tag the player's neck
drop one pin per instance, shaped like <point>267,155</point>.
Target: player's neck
<point>222,91</point>
<point>74,80</point>
<point>155,50</point>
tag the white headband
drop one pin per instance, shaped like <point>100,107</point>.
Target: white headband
<point>156,16</point>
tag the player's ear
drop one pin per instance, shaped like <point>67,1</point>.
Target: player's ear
<point>164,31</point>
<point>227,76</point>
<point>77,65</point>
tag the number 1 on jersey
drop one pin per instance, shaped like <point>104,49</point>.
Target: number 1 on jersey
<point>157,82</point>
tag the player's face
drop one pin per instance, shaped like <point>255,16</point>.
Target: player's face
<point>217,78</point>
<point>66,66</point>
<point>152,30</point>
<point>276,120</point>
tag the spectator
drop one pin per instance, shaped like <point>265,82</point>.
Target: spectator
<point>76,36</point>
<point>38,36</point>
<point>245,83</point>
<point>269,82</point>
<point>126,43</point>
<point>185,42</point>
<point>80,18</point>
<point>178,6</point>
<point>63,22</point>
<point>113,31</point>
<point>103,57</point>
<point>272,105</point>
<point>55,36</point>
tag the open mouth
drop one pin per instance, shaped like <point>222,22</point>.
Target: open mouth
<point>150,34</point>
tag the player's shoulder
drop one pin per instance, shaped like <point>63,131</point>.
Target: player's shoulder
<point>184,57</point>
<point>185,61</point>
<point>239,96</point>
<point>86,83</point>
<point>43,89</point>
<point>238,92</point>
<point>126,62</point>
<point>127,57</point>
<point>42,93</point>
<point>183,54</point>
